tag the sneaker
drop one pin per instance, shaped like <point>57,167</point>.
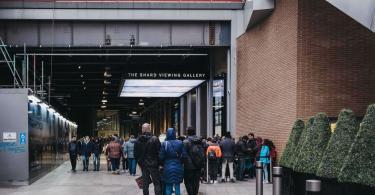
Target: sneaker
<point>222,180</point>
<point>232,180</point>
<point>215,182</point>
<point>123,171</point>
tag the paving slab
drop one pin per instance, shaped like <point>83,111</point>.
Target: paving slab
<point>62,181</point>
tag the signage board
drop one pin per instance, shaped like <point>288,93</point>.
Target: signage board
<point>9,137</point>
<point>22,138</point>
<point>167,75</point>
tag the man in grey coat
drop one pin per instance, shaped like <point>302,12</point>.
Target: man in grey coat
<point>128,148</point>
<point>227,146</point>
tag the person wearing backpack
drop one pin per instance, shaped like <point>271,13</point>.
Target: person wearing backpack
<point>194,161</point>
<point>146,152</point>
<point>213,154</point>
<point>73,153</point>
<point>227,147</point>
<point>171,154</point>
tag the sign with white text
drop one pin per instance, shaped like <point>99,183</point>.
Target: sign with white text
<point>9,137</point>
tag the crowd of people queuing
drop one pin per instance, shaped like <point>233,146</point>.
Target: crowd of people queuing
<point>167,163</point>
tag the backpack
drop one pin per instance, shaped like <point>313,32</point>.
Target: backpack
<point>211,155</point>
<point>196,154</point>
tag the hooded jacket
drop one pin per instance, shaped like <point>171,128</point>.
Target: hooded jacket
<point>171,154</point>
<point>128,147</point>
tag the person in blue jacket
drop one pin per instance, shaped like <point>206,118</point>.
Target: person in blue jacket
<point>265,159</point>
<point>171,154</point>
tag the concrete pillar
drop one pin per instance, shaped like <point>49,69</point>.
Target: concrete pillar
<point>182,115</point>
<point>198,116</point>
<point>209,109</point>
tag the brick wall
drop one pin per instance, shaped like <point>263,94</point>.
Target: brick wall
<point>267,76</point>
<point>307,57</point>
<point>336,61</point>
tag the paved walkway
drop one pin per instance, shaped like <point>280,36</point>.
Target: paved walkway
<point>62,182</point>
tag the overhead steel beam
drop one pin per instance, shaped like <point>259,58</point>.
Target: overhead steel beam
<point>113,54</point>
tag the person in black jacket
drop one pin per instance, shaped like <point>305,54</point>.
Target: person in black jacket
<point>146,152</point>
<point>73,153</point>
<point>194,161</point>
<point>97,151</point>
<point>85,151</point>
<point>227,146</point>
<point>252,146</point>
<point>242,153</point>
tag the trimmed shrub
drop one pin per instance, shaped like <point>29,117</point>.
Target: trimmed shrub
<point>339,145</point>
<point>359,166</point>
<point>314,146</point>
<point>297,149</point>
<point>287,156</point>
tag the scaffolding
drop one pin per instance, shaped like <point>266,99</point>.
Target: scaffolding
<point>11,63</point>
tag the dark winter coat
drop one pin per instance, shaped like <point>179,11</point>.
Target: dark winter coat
<point>86,148</point>
<point>188,143</point>
<point>73,148</point>
<point>171,154</point>
<point>241,149</point>
<point>97,148</point>
<point>227,148</point>
<point>146,150</point>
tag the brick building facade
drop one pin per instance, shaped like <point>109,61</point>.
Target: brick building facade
<point>307,57</point>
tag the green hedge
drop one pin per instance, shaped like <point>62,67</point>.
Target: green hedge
<point>287,156</point>
<point>339,145</point>
<point>297,150</point>
<point>359,166</point>
<point>314,147</point>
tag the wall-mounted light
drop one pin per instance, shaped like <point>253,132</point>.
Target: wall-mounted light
<point>107,74</point>
<point>81,75</point>
<point>141,103</point>
<point>104,101</point>
<point>44,105</point>
<point>51,110</point>
<point>103,106</point>
<point>134,112</point>
<point>107,82</point>
<point>34,99</point>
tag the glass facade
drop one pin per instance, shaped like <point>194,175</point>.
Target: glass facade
<point>49,135</point>
<point>219,110</point>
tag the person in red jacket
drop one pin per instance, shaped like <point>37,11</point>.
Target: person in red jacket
<point>114,151</point>
<point>213,154</point>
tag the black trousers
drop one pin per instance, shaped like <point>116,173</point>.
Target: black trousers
<point>125,165</point>
<point>191,180</point>
<point>213,167</point>
<point>73,162</point>
<point>151,175</point>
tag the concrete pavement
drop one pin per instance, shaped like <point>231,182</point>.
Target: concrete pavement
<point>62,181</point>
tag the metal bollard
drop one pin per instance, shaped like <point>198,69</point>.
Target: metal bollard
<point>277,180</point>
<point>313,187</point>
<point>259,177</point>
